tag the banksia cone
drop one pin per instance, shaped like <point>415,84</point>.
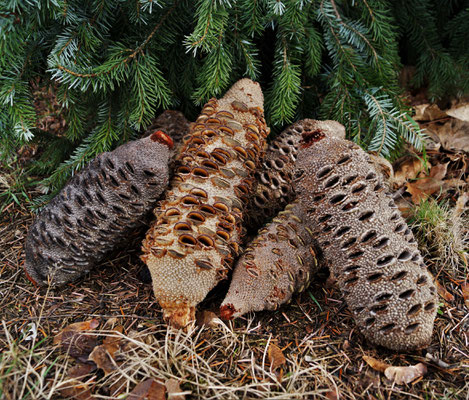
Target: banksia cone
<point>174,124</point>
<point>366,242</point>
<point>274,188</point>
<point>277,263</point>
<point>96,210</point>
<point>190,247</point>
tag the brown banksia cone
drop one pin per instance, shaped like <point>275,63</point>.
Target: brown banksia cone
<point>174,124</point>
<point>96,210</point>
<point>370,249</point>
<point>279,262</point>
<point>274,189</point>
<point>197,232</point>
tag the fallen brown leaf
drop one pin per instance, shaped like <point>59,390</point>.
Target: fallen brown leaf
<point>149,389</point>
<point>461,204</point>
<point>174,390</point>
<point>428,112</point>
<point>377,365</point>
<point>207,318</point>
<point>332,395</point>
<point>81,370</point>
<point>459,111</point>
<point>443,292</point>
<point>401,375</point>
<point>453,135</point>
<point>114,342</point>
<point>465,293</point>
<point>276,357</point>
<point>77,389</point>
<point>407,169</point>
<point>74,340</point>
<point>102,359</point>
<point>422,188</point>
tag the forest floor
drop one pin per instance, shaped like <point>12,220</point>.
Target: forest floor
<point>308,349</point>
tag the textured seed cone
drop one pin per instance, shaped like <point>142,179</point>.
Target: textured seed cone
<point>174,124</point>
<point>274,188</point>
<point>190,247</point>
<point>366,242</point>
<point>276,264</point>
<point>96,210</point>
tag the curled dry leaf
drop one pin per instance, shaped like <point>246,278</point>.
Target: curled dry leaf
<point>453,135</point>
<point>276,357</point>
<point>74,340</point>
<point>332,395</point>
<point>422,188</point>
<point>104,355</point>
<point>77,387</point>
<point>207,318</point>
<point>113,342</point>
<point>407,169</point>
<point>149,389</point>
<point>401,375</point>
<point>459,111</point>
<point>428,112</point>
<point>377,365</point>
<point>102,359</point>
<point>174,390</point>
<point>461,204</point>
<point>443,292</point>
<point>465,293</point>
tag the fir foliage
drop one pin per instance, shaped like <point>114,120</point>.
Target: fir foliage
<point>117,63</point>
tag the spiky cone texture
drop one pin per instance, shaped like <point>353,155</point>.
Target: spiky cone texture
<point>96,210</point>
<point>274,189</point>
<point>190,247</point>
<point>279,262</point>
<point>371,251</point>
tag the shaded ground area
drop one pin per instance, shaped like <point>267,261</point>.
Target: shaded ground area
<point>316,333</point>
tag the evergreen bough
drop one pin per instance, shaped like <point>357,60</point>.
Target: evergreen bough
<point>116,63</point>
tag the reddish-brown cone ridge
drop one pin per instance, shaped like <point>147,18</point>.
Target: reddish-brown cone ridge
<point>369,247</point>
<point>191,245</point>
<point>276,264</point>
<point>96,210</point>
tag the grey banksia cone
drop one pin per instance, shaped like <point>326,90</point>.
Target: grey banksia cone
<point>96,210</point>
<point>279,262</point>
<point>191,245</point>
<point>274,189</point>
<point>366,242</point>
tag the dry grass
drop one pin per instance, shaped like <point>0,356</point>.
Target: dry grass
<point>322,346</point>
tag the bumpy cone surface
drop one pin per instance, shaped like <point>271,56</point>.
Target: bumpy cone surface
<point>174,124</point>
<point>274,188</point>
<point>190,247</point>
<point>367,243</point>
<point>96,210</point>
<point>277,263</point>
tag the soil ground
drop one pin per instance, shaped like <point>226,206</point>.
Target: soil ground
<point>323,348</point>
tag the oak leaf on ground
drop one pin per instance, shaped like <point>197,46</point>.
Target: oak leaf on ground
<point>75,341</point>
